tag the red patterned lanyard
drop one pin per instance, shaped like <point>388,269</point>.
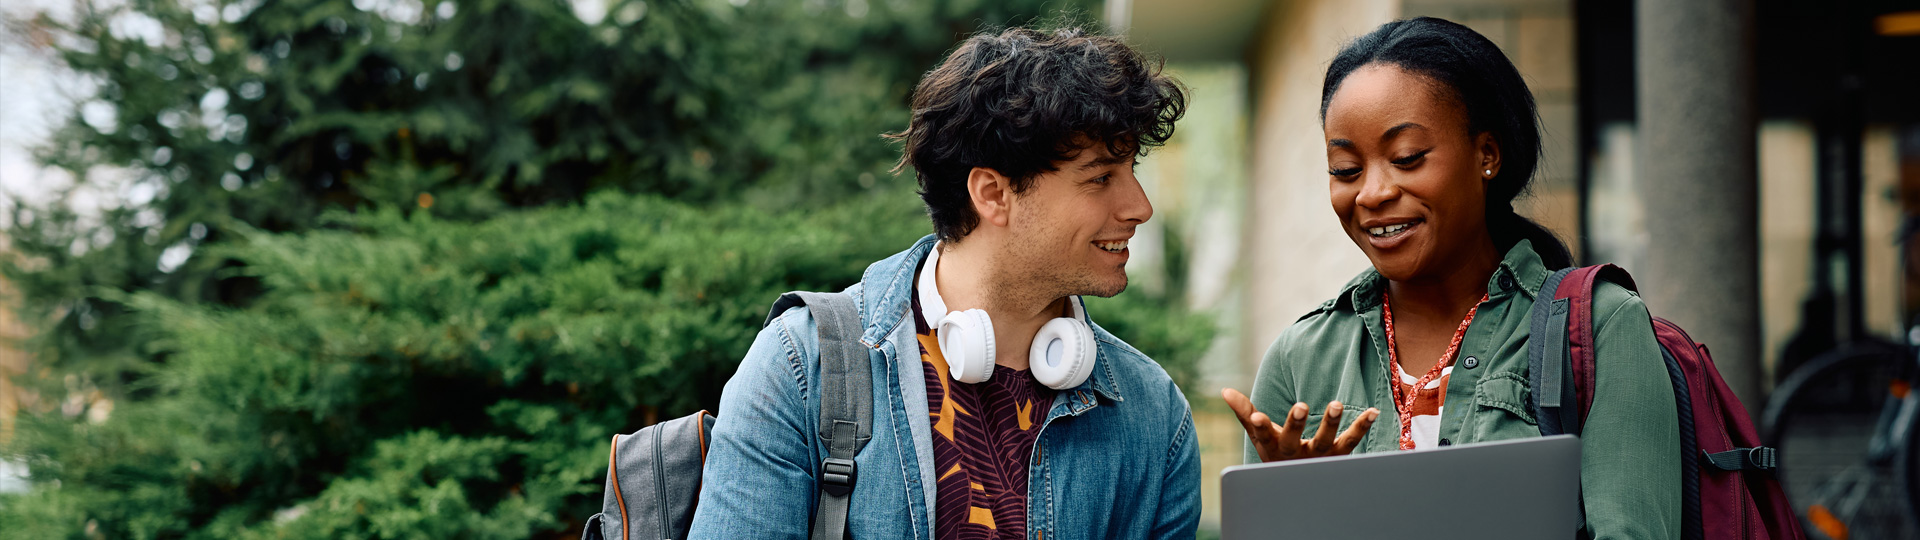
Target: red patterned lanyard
<point>1403,400</point>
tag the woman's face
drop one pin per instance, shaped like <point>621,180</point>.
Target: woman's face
<point>1406,176</point>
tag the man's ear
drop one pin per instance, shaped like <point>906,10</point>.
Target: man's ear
<point>1489,154</point>
<point>992,195</point>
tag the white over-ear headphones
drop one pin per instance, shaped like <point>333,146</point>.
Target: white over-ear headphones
<point>1061,356</point>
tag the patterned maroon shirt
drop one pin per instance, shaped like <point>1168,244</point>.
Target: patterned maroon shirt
<point>983,439</point>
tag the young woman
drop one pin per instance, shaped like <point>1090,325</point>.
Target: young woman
<point>1431,133</point>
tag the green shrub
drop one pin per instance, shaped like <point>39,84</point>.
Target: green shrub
<point>402,376</point>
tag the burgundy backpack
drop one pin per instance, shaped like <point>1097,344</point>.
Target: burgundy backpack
<point>1727,484</point>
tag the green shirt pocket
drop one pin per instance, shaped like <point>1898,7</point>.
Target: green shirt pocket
<point>1500,408</point>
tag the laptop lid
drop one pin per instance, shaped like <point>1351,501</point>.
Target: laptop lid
<point>1519,489</point>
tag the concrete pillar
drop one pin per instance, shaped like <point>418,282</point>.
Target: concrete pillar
<point>1695,76</point>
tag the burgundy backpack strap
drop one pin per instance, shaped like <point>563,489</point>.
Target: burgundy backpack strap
<point>1577,289</point>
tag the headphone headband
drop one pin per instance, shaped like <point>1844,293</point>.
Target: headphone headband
<point>931,306</point>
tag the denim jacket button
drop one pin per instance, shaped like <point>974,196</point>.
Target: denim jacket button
<point>1446,442</point>
<point>1506,283</point>
<point>1472,362</point>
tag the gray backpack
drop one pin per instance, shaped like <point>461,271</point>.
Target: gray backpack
<point>653,475</point>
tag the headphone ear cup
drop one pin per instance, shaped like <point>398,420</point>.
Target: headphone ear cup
<point>966,341</point>
<point>1062,354</point>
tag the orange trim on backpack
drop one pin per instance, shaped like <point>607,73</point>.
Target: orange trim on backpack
<point>614,473</point>
<point>700,426</point>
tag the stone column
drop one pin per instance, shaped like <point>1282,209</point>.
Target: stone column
<point>1695,75</point>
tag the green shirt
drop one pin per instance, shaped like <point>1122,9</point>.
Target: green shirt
<point>1629,467</point>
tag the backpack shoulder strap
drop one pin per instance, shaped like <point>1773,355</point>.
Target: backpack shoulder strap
<point>1547,363</point>
<point>1563,357</point>
<point>846,402</point>
<point>1578,290</point>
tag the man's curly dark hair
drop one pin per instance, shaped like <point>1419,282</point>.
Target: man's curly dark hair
<point>1021,101</point>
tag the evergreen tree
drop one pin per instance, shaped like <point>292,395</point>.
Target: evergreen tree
<point>228,113</point>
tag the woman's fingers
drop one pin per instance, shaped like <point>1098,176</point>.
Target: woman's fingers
<point>1329,423</point>
<point>1278,442</point>
<point>1266,439</point>
<point>1260,429</point>
<point>1295,424</point>
<point>1284,441</point>
<point>1242,409</point>
<point>1351,438</point>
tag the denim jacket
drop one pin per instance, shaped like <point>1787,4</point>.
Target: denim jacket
<point>1117,456</point>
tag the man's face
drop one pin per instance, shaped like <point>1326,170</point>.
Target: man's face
<point>1068,232</point>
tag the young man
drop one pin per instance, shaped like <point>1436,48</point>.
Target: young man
<point>1023,143</point>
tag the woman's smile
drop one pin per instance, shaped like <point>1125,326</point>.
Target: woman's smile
<point>1386,235</point>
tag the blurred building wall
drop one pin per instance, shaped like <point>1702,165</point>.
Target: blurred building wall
<point>1786,232</point>
<point>1880,223</point>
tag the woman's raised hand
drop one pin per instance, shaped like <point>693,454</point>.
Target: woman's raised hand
<point>1283,442</point>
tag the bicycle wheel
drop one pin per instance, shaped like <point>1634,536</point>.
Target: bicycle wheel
<point>1823,420</point>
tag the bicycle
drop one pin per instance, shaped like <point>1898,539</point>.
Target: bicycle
<point>1844,425</point>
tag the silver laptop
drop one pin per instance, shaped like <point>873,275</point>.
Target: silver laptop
<point>1519,489</point>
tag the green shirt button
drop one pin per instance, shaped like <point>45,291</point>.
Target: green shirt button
<point>1472,362</point>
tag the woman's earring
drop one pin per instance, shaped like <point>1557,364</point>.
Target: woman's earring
<point>1489,173</point>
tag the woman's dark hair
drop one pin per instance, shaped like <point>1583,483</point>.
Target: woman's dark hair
<point>1482,79</point>
<point>1022,100</point>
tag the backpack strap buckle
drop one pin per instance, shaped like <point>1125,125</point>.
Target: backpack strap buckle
<point>837,476</point>
<point>1761,458</point>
